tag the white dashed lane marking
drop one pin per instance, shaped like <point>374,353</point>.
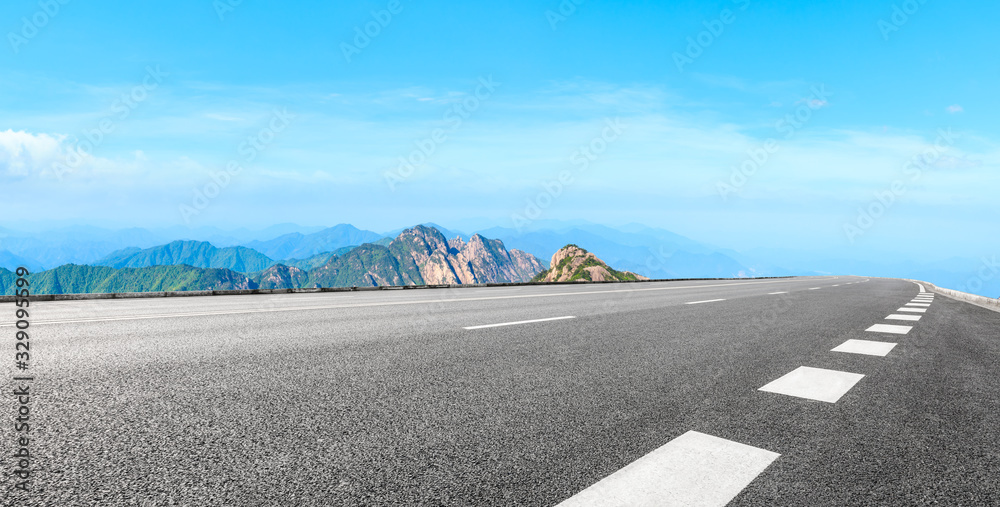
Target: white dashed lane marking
<point>915,310</point>
<point>814,384</point>
<point>773,293</point>
<point>925,305</point>
<point>814,288</point>
<point>897,316</point>
<point>889,328</point>
<point>866,347</point>
<point>520,322</point>
<point>693,469</point>
<point>390,303</point>
<point>705,301</point>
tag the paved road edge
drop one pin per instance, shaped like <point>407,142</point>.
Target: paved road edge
<point>983,301</point>
<point>160,294</point>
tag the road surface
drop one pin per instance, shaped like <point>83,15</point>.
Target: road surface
<point>706,392</point>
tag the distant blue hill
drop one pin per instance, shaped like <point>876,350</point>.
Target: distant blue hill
<point>12,262</point>
<point>654,253</point>
<point>76,245</point>
<point>302,246</point>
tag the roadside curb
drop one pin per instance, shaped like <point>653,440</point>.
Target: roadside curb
<point>983,301</point>
<point>140,295</point>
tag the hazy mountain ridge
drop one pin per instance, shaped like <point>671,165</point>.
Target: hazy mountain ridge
<point>656,253</point>
<point>300,246</point>
<point>198,254</point>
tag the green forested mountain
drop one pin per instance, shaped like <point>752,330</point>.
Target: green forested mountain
<point>366,266</point>
<point>75,279</point>
<point>316,260</point>
<point>7,278</point>
<point>199,254</point>
<point>572,263</point>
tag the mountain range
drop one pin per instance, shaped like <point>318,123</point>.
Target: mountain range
<point>652,252</point>
<point>418,256</point>
<point>199,254</point>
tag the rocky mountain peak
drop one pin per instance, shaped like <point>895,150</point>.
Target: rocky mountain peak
<point>572,263</point>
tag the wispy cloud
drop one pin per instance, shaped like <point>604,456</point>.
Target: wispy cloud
<point>222,117</point>
<point>954,109</point>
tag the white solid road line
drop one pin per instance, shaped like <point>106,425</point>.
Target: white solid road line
<point>889,328</point>
<point>921,287</point>
<point>705,301</point>
<point>814,384</point>
<point>388,303</point>
<point>915,310</point>
<point>693,469</point>
<point>866,347</point>
<point>897,316</point>
<point>520,322</point>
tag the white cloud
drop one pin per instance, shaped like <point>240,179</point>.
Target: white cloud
<point>24,154</point>
<point>954,109</point>
<point>55,156</point>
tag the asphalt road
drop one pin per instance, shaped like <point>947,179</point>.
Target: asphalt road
<point>384,398</point>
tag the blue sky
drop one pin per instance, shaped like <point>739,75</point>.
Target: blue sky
<point>873,87</point>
